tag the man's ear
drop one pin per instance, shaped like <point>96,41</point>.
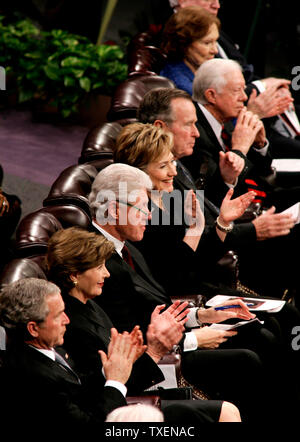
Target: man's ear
<point>210,95</point>
<point>32,328</point>
<point>160,123</point>
<point>113,210</point>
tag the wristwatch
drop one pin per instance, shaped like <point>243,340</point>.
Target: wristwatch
<point>223,228</point>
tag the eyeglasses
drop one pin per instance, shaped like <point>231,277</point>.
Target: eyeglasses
<point>126,203</point>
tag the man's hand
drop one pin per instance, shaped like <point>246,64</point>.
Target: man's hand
<point>245,131</point>
<point>269,103</point>
<point>275,82</point>
<point>230,165</point>
<point>271,224</point>
<point>210,315</point>
<point>121,353</point>
<point>231,210</point>
<point>210,338</point>
<point>166,329</point>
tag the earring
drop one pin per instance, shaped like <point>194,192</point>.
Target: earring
<point>75,283</point>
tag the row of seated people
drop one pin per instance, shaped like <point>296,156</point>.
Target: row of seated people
<point>122,311</point>
<point>121,316</point>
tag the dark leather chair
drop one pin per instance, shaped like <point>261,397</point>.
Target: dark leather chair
<point>72,187</point>
<point>129,94</point>
<point>34,231</point>
<point>144,55</point>
<point>20,268</point>
<point>100,142</point>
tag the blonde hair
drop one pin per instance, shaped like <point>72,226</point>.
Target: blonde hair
<point>139,144</point>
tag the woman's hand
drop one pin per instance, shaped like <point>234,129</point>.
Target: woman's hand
<point>194,216</point>
<point>138,341</point>
<point>231,210</point>
<point>210,315</point>
<point>208,337</point>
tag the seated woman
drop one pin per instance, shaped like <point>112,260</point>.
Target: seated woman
<point>187,255</point>
<point>76,262</point>
<point>189,38</point>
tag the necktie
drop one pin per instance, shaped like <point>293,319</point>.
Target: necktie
<point>226,139</point>
<point>127,256</point>
<point>181,168</point>
<point>63,363</point>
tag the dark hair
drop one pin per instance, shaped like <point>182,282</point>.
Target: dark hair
<point>75,250</point>
<point>156,104</point>
<point>183,28</point>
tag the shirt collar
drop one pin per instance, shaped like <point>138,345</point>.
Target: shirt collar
<point>47,352</point>
<point>214,123</point>
<point>117,243</point>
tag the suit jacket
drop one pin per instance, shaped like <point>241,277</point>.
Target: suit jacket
<point>88,332</point>
<point>204,162</point>
<point>130,296</point>
<point>36,389</point>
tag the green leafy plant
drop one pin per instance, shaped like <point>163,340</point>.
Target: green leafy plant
<point>58,67</point>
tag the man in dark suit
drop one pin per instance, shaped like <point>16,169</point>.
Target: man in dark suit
<point>38,381</point>
<point>262,266</point>
<point>39,384</point>
<point>130,293</point>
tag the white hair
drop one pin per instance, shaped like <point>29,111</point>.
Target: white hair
<point>135,413</point>
<point>116,181</point>
<point>212,74</point>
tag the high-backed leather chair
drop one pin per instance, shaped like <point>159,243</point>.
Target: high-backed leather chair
<point>144,55</point>
<point>34,231</point>
<point>129,94</point>
<point>100,142</point>
<point>72,187</point>
<point>20,268</point>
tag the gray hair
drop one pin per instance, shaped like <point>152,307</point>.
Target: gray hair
<point>212,74</point>
<point>157,105</point>
<point>136,413</point>
<point>24,301</point>
<point>116,181</point>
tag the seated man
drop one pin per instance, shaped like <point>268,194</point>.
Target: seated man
<point>258,242</point>
<point>119,204</point>
<point>36,380</point>
<point>218,89</point>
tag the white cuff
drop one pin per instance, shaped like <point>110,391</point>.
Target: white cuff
<point>232,186</point>
<point>259,84</point>
<point>264,150</point>
<point>118,385</point>
<point>192,320</point>
<point>190,342</point>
